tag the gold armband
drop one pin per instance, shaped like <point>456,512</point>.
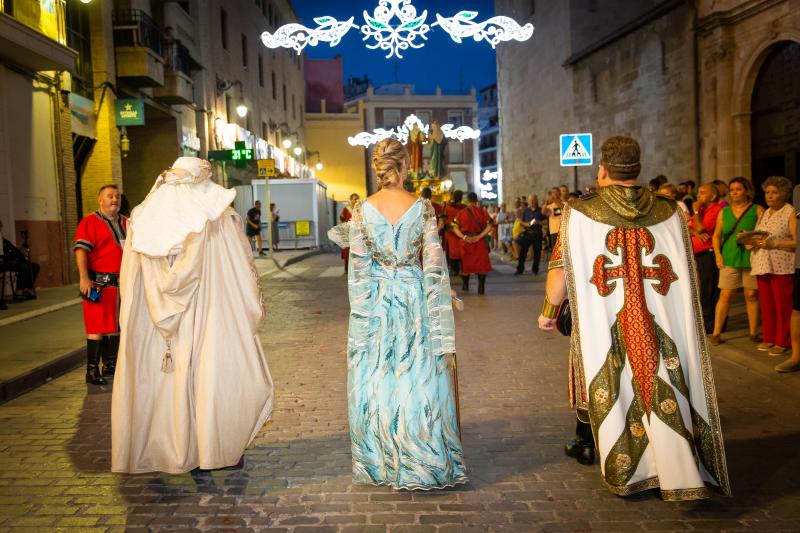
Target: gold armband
<point>549,310</point>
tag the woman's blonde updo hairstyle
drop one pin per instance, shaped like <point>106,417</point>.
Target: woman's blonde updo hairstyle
<point>387,160</point>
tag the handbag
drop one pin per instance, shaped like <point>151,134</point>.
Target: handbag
<point>564,319</point>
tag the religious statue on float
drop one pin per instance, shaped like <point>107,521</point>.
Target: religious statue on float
<point>416,138</point>
<point>438,143</point>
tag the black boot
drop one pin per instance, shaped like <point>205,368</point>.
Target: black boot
<point>93,375</point>
<point>108,352</point>
<point>581,448</point>
<point>465,284</point>
<point>481,283</point>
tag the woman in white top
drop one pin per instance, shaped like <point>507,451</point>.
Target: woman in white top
<point>772,263</point>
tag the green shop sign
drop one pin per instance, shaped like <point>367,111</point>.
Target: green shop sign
<point>129,112</point>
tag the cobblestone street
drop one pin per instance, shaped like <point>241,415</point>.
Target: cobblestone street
<point>55,441</point>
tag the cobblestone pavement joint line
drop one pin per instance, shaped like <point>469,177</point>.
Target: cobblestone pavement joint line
<point>55,442</point>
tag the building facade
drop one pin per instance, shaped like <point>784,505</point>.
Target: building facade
<point>388,107</point>
<point>491,173</point>
<point>328,126</point>
<point>37,194</point>
<point>67,68</point>
<point>694,82</point>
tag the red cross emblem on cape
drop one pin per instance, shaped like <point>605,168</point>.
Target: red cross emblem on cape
<point>635,319</point>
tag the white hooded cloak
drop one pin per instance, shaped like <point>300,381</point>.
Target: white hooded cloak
<point>192,385</point>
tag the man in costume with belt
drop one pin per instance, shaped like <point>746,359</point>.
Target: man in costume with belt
<point>98,254</point>
<point>640,371</point>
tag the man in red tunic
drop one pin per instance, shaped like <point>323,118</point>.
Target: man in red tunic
<point>98,254</point>
<point>452,243</point>
<point>472,224</point>
<point>347,214</point>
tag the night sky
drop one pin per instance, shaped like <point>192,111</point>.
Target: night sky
<point>441,61</point>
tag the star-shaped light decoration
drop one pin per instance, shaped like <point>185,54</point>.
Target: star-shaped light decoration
<point>395,37</point>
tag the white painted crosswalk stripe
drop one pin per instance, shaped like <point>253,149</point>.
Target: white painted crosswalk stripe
<point>332,272</point>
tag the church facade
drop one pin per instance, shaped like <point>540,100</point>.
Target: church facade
<point>710,88</point>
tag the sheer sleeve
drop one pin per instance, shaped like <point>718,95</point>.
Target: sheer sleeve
<point>340,235</point>
<point>437,288</point>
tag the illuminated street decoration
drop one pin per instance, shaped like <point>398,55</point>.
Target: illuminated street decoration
<point>395,38</point>
<point>395,27</point>
<point>297,36</point>
<point>489,182</point>
<point>401,133</point>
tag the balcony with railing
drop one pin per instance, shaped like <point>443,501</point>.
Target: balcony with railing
<point>33,35</point>
<point>138,46</point>
<point>178,83</point>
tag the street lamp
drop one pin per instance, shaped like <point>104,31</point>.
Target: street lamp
<point>225,85</point>
<point>309,153</point>
<point>86,1</point>
<point>297,151</point>
<point>287,143</point>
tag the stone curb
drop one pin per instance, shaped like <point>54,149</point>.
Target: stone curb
<point>28,315</point>
<point>19,385</point>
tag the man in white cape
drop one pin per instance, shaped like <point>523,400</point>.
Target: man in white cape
<point>192,387</point>
<point>640,371</point>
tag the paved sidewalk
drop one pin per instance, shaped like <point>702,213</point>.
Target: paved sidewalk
<point>44,338</point>
<point>55,441</point>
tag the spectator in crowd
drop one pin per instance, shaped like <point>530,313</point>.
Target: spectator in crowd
<point>772,263</point>
<point>504,223</point>
<point>12,259</point>
<point>532,236</point>
<point>564,192</point>
<point>654,185</point>
<point>552,210</point>
<point>793,363</point>
<point>687,194</point>
<point>495,233</point>
<point>669,190</point>
<point>733,259</point>
<point>722,191</point>
<point>701,227</point>
<point>253,227</point>
<point>275,217</point>
<point>518,229</point>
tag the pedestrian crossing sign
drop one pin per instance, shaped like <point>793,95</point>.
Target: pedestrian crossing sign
<point>576,150</point>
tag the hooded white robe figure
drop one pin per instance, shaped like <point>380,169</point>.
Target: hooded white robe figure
<point>192,387</point>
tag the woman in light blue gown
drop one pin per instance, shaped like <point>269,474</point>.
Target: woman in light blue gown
<point>402,406</point>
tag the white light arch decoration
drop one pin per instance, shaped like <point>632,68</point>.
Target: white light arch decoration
<point>486,189</point>
<point>401,133</point>
<point>408,31</point>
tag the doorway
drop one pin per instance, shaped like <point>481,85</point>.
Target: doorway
<point>775,119</point>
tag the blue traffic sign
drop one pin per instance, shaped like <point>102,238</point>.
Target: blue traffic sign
<point>576,150</point>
